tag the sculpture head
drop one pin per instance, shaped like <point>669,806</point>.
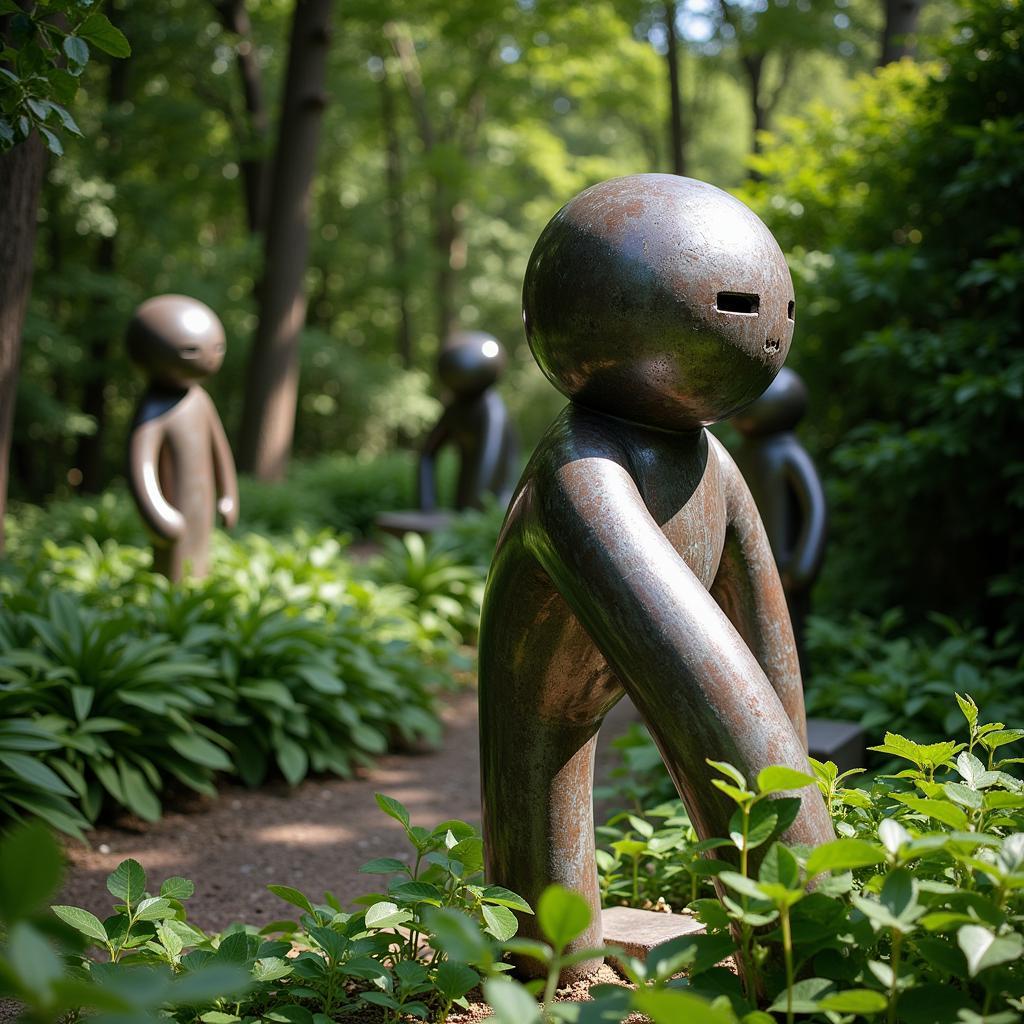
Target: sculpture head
<point>659,299</point>
<point>176,340</point>
<point>470,362</point>
<point>780,408</point>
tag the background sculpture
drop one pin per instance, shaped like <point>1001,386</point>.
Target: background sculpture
<point>786,488</point>
<point>179,462</point>
<point>632,559</point>
<point>475,420</point>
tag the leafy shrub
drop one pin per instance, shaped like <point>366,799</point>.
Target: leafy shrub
<point>115,683</point>
<point>908,267</point>
<point>863,669</point>
<point>324,965</point>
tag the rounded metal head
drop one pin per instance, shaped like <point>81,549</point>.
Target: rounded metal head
<point>470,362</point>
<point>780,408</point>
<point>176,340</point>
<point>659,299</point>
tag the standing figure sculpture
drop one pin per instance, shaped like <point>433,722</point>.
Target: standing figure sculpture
<point>786,489</point>
<point>179,462</point>
<point>632,559</point>
<point>475,421</point>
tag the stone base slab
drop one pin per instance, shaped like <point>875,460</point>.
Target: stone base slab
<point>639,931</point>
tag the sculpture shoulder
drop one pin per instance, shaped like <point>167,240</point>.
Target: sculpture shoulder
<point>575,435</point>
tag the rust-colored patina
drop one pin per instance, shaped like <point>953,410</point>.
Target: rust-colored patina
<point>632,559</point>
<point>179,462</point>
<point>475,421</point>
<point>786,489</point>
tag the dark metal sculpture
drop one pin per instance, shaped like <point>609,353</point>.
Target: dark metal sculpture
<point>786,489</point>
<point>475,420</point>
<point>179,462</point>
<point>632,559</point>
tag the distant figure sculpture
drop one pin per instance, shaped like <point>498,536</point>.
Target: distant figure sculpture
<point>180,466</point>
<point>786,489</point>
<point>475,421</point>
<point>632,559</point>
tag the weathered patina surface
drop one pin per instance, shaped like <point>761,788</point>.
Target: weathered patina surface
<point>632,559</point>
<point>180,467</point>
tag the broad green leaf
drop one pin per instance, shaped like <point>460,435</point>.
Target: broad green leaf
<point>98,30</point>
<point>384,866</point>
<point>668,1006</point>
<point>34,772</point>
<point>386,914</point>
<point>31,865</point>
<point>779,779</point>
<point>500,922</point>
<point>512,1004</point>
<point>177,888</point>
<point>81,920</point>
<point>454,980</point>
<point>843,855</point>
<point>864,1001</point>
<point>506,898</point>
<point>984,949</point>
<point>392,808</point>
<point>292,896</point>
<point>563,915</point>
<point>127,882</point>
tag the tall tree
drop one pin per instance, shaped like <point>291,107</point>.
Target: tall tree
<point>45,46</point>
<point>677,127</point>
<point>272,375</point>
<point>901,18</point>
<point>449,141</point>
<point>254,132</point>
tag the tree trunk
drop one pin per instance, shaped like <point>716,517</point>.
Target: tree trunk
<point>754,65</point>
<point>252,159</point>
<point>447,242</point>
<point>89,456</point>
<point>901,17</point>
<point>272,378</point>
<point>21,177</point>
<point>677,136</point>
<point>396,219</point>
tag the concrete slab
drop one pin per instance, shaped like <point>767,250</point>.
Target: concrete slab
<point>639,931</point>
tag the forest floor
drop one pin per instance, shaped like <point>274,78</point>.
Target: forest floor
<point>314,837</point>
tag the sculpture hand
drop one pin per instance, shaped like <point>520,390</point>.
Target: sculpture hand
<point>228,509</point>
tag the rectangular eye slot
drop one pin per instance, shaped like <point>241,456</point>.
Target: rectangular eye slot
<point>791,310</point>
<point>738,302</point>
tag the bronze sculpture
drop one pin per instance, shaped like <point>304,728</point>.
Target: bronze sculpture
<point>786,489</point>
<point>475,420</point>
<point>180,467</point>
<point>632,559</point>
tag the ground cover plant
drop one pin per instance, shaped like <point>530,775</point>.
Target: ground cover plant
<point>115,685</point>
<point>914,916</point>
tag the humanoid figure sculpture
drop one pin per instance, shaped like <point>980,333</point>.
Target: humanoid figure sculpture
<point>179,462</point>
<point>786,489</point>
<point>475,421</point>
<point>632,559</point>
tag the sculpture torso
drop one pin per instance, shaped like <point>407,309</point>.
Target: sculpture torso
<point>185,469</point>
<point>678,477</point>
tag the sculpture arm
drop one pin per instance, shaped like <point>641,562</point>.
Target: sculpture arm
<point>749,590</point>
<point>673,649</point>
<point>162,518</point>
<point>809,549</point>
<point>224,470</point>
<point>426,474</point>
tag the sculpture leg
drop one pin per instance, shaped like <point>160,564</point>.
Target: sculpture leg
<point>538,810</point>
<point>743,723</point>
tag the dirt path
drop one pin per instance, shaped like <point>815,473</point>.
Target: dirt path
<point>314,837</point>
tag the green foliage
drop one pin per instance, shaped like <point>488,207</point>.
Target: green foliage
<point>117,685</point>
<point>908,266</point>
<point>149,959</point>
<point>40,67</point>
<point>872,672</point>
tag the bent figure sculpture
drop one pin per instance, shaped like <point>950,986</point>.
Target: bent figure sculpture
<point>632,559</point>
<point>475,421</point>
<point>179,462</point>
<point>786,489</point>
